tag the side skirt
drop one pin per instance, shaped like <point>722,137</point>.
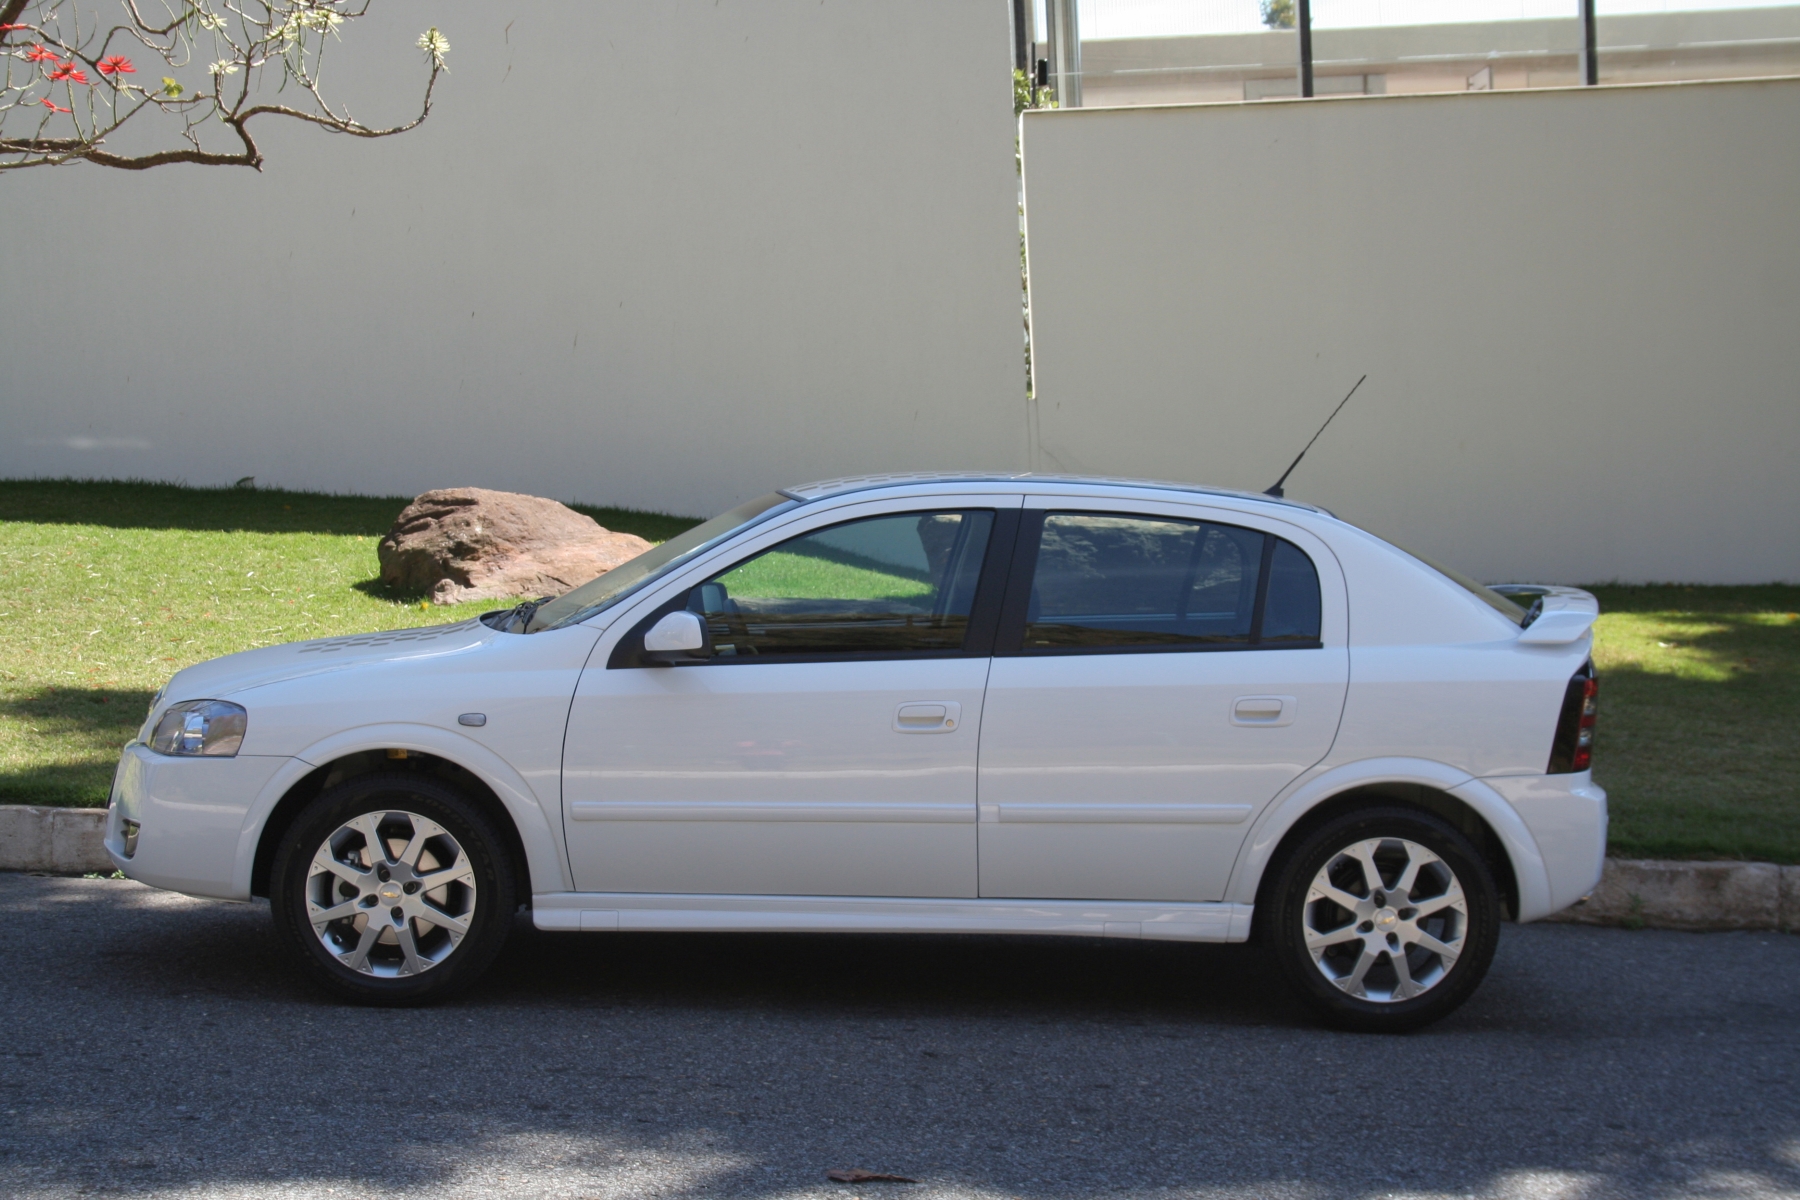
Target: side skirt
<point>592,911</point>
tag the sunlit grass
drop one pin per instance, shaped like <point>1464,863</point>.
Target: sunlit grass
<point>1699,732</point>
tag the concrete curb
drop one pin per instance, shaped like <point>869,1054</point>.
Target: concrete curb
<point>1634,893</point>
<point>61,841</point>
<point>1640,893</point>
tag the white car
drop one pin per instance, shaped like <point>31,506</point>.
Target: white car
<point>921,703</point>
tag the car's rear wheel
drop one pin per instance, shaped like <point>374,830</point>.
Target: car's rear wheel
<point>393,889</point>
<point>1384,919</point>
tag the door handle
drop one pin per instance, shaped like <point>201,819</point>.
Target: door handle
<point>928,716</point>
<point>1263,710</point>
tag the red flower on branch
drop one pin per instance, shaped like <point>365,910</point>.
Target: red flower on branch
<point>118,64</point>
<point>40,54</point>
<point>68,71</point>
<point>53,106</point>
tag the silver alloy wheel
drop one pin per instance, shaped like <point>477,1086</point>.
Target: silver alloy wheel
<point>390,894</point>
<point>1385,919</point>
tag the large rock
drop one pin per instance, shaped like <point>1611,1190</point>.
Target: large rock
<point>474,544</point>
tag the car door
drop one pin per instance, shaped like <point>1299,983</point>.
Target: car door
<point>1160,673</point>
<point>828,746</point>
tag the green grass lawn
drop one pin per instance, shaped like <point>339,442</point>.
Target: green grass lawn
<point>106,589</point>
<point>1699,735</point>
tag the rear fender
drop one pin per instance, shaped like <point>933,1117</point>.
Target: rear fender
<point>1311,790</point>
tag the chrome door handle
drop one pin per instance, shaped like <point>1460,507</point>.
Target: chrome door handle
<point>928,716</point>
<point>1263,710</point>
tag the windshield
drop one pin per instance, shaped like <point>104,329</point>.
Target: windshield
<point>1480,591</point>
<point>598,594</point>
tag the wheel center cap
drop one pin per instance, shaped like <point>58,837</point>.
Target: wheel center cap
<point>1387,918</point>
<point>389,892</point>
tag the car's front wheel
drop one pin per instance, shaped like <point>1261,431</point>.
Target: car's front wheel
<point>393,889</point>
<point>1384,919</point>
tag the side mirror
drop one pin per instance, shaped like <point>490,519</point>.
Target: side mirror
<point>679,637</point>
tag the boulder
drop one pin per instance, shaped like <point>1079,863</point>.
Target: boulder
<point>462,544</point>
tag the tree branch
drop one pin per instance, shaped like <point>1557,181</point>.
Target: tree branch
<point>9,15</point>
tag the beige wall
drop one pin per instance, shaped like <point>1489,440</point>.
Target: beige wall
<point>1579,312</point>
<point>664,253</point>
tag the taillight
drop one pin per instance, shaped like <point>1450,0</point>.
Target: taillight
<point>1573,749</point>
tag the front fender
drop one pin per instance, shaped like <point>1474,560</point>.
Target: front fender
<point>540,827</point>
<point>1313,789</point>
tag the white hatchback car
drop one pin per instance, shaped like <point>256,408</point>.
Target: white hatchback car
<point>923,703</point>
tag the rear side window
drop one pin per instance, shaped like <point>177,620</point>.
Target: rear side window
<point>1116,581</point>
<point>882,585</point>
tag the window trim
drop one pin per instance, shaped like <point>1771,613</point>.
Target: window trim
<point>978,637</point>
<point>1009,641</point>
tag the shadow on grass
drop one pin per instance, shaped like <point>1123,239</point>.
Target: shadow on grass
<point>137,504</point>
<point>87,725</point>
<point>1697,742</point>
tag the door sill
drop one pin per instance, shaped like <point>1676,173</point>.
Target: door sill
<point>642,911</point>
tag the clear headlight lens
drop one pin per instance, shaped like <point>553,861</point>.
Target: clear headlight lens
<point>209,727</point>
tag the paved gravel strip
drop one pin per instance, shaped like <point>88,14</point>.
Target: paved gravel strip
<point>157,1045</point>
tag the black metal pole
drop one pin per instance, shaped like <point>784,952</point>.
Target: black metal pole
<point>1021,37</point>
<point>1590,58</point>
<point>1303,20</point>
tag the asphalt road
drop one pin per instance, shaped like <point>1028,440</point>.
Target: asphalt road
<point>157,1044</point>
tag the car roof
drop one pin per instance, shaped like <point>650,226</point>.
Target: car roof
<point>827,488</point>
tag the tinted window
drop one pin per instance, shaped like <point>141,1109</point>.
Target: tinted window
<point>1292,612</point>
<point>1105,580</point>
<point>1115,580</point>
<point>883,584</point>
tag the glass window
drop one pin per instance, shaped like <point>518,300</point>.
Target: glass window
<point>1116,580</point>
<point>882,584</point>
<point>1291,613</point>
<point>1105,580</point>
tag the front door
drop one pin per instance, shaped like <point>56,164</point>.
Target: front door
<point>829,745</point>
<point>1160,679</point>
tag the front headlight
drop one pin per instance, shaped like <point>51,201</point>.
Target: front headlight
<point>210,727</point>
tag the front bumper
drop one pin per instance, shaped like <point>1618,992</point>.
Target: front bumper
<point>189,814</point>
<point>1566,815</point>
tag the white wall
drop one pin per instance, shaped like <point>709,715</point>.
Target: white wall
<point>663,253</point>
<point>1579,312</point>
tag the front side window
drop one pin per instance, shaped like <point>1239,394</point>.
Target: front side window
<point>1113,581</point>
<point>897,583</point>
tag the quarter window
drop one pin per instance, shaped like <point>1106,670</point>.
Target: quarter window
<point>1110,581</point>
<point>881,585</point>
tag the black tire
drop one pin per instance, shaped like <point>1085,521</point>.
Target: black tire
<point>1395,957</point>
<point>433,962</point>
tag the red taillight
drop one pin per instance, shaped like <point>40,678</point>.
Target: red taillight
<point>1573,749</point>
<point>1583,757</point>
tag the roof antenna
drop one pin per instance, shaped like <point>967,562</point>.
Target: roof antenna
<point>1276,490</point>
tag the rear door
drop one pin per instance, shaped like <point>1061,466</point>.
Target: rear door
<point>1160,673</point>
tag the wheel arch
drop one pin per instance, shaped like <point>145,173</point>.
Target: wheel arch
<point>1472,807</point>
<point>533,839</point>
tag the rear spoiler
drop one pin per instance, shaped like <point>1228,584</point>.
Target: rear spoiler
<point>1556,616</point>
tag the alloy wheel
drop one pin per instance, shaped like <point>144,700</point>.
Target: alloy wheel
<point>390,894</point>
<point>1385,920</point>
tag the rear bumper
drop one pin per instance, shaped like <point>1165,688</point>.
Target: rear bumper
<point>1566,815</point>
<point>190,815</point>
